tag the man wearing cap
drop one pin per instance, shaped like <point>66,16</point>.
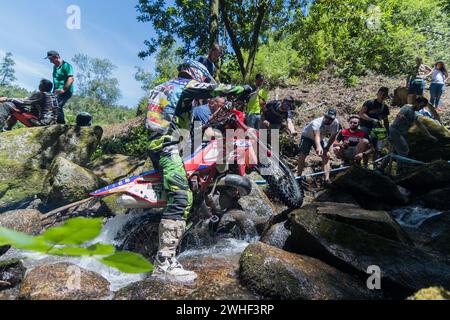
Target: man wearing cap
<point>313,136</point>
<point>256,104</point>
<point>63,79</point>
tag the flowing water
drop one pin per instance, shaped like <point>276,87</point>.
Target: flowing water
<point>413,216</point>
<point>225,247</point>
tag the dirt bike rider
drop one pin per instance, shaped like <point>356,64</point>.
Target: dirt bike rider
<point>169,109</point>
<point>44,108</point>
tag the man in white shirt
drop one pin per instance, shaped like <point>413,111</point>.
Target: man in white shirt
<point>313,136</point>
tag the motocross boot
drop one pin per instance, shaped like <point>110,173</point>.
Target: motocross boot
<point>167,266</point>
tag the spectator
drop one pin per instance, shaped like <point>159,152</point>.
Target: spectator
<point>276,112</point>
<point>313,136</point>
<point>416,80</point>
<point>354,144</point>
<point>373,111</point>
<point>43,111</point>
<point>438,80</point>
<point>63,79</point>
<point>256,104</point>
<point>215,52</point>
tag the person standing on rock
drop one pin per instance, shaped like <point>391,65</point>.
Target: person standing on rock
<point>43,112</point>
<point>398,131</point>
<point>438,79</point>
<point>257,103</point>
<point>416,80</point>
<point>313,136</point>
<point>169,112</point>
<point>215,52</point>
<point>63,79</point>
<point>374,111</point>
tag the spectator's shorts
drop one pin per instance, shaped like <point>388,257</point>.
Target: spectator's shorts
<point>306,144</point>
<point>253,121</point>
<point>416,86</point>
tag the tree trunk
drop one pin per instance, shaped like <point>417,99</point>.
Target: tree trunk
<point>214,23</point>
<point>234,42</point>
<point>262,9</point>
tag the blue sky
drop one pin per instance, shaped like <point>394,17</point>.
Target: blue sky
<point>109,29</point>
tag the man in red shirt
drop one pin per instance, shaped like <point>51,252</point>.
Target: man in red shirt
<point>353,143</point>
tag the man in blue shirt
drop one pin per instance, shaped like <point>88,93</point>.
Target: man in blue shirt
<point>213,56</point>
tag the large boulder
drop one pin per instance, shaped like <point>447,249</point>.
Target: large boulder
<point>375,222</point>
<point>274,273</point>
<point>278,235</point>
<point>428,177</point>
<point>63,281</point>
<point>26,221</point>
<point>436,230</point>
<point>11,273</point>
<point>421,148</point>
<point>438,199</point>
<point>404,269</point>
<point>371,189</point>
<point>26,154</point>
<point>218,280</point>
<point>66,182</point>
<point>112,168</point>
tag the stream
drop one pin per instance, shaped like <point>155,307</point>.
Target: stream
<point>227,248</point>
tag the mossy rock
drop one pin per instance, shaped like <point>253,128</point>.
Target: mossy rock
<point>277,274</point>
<point>11,273</point>
<point>434,293</point>
<point>421,148</point>
<point>26,154</point>
<point>67,182</point>
<point>112,168</point>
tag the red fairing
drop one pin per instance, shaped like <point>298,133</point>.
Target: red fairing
<point>24,117</point>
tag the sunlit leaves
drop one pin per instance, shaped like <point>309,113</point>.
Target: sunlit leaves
<point>128,262</point>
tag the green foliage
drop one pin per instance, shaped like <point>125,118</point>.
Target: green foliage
<point>135,143</point>
<point>7,72</point>
<point>94,79</point>
<point>68,240</point>
<point>128,262</point>
<point>277,60</point>
<point>357,36</point>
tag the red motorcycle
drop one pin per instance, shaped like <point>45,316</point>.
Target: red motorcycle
<point>216,172</point>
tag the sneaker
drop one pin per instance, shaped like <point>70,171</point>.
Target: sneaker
<point>170,269</point>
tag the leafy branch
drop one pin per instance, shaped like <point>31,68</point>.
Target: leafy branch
<point>70,240</point>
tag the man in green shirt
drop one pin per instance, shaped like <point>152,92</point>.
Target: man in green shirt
<point>256,104</point>
<point>62,81</point>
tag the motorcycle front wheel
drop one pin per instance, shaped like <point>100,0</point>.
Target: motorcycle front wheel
<point>282,182</point>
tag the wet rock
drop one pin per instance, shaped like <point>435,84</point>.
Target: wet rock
<point>438,199</point>
<point>115,167</point>
<point>257,202</point>
<point>26,221</point>
<point>404,268</point>
<point>26,154</point>
<point>336,196</point>
<point>10,294</point>
<point>11,273</point>
<point>278,235</point>
<point>218,280</point>
<point>274,273</point>
<point>67,182</point>
<point>371,189</point>
<point>375,222</point>
<point>421,148</point>
<point>247,224</point>
<point>434,293</point>
<point>63,281</point>
<point>427,178</point>
<point>437,231</point>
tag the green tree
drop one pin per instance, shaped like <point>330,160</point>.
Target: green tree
<point>7,72</point>
<point>145,78</point>
<point>95,79</point>
<point>247,23</point>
